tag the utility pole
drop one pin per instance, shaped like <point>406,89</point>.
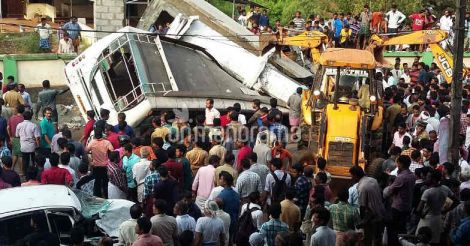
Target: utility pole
<point>456,91</point>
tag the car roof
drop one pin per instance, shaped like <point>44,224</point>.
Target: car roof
<point>30,198</point>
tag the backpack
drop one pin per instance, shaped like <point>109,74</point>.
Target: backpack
<point>279,188</point>
<point>246,227</point>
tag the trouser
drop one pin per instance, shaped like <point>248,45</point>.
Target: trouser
<point>363,37</point>
<point>101,182</point>
<point>148,207</point>
<point>393,31</point>
<point>373,233</point>
<point>46,152</point>
<point>27,159</point>
<point>397,226</point>
<point>55,116</point>
<point>132,195</point>
<point>337,43</point>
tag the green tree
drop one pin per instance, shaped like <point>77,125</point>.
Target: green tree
<point>284,10</point>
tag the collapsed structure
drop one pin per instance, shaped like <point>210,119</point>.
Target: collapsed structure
<point>202,56</point>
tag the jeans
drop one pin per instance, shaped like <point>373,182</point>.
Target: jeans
<point>101,182</point>
<point>28,159</point>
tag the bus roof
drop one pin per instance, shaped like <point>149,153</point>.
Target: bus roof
<point>351,58</point>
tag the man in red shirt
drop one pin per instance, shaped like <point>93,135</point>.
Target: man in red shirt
<point>376,22</point>
<point>112,137</point>
<point>55,174</point>
<point>99,148</point>
<point>418,20</point>
<point>88,126</point>
<point>280,152</point>
<point>175,168</point>
<point>225,119</point>
<point>243,151</point>
<point>414,74</point>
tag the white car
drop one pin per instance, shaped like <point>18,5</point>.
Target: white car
<point>62,208</point>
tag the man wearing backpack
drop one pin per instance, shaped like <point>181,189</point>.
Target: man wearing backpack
<point>250,220</point>
<point>277,183</point>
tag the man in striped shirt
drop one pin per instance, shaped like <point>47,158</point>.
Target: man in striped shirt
<point>299,22</point>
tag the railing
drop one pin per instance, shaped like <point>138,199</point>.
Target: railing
<point>137,95</point>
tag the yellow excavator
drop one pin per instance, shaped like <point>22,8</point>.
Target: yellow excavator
<point>338,129</point>
<point>444,59</point>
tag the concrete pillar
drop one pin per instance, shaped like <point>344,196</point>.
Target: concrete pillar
<point>109,16</point>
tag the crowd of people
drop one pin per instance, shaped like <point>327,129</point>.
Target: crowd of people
<point>229,179</point>
<point>213,183</point>
<point>353,30</point>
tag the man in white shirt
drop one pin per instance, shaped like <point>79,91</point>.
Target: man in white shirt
<point>399,135</point>
<point>45,32</point>
<point>140,170</point>
<point>396,72</point>
<point>127,234</point>
<point>270,181</point>
<point>242,19</point>
<point>256,211</point>
<point>262,150</point>
<point>65,45</point>
<point>211,112</point>
<point>395,18</point>
<point>446,23</point>
<point>406,76</point>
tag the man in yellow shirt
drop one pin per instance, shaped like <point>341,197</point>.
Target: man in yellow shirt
<point>13,98</point>
<point>160,131</point>
<point>346,37</point>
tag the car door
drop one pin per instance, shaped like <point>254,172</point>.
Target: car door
<point>61,223</point>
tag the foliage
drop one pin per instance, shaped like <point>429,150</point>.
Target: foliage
<point>21,43</point>
<point>284,10</point>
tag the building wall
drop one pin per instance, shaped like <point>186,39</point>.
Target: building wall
<point>32,69</point>
<point>109,15</point>
<point>51,70</point>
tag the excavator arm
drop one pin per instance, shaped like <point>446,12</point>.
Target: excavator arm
<point>444,59</point>
<point>309,39</point>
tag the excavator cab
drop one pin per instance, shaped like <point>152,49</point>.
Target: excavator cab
<point>342,126</point>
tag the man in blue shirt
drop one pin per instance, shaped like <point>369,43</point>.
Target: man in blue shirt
<point>73,29</point>
<point>338,25</point>
<point>263,20</point>
<point>461,235</point>
<point>231,201</point>
<point>128,162</point>
<point>123,127</point>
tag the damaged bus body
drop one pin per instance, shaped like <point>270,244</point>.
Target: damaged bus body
<point>133,72</point>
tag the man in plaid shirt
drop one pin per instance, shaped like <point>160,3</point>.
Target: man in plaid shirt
<point>302,186</point>
<point>270,229</point>
<point>345,216</point>
<point>149,183</point>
